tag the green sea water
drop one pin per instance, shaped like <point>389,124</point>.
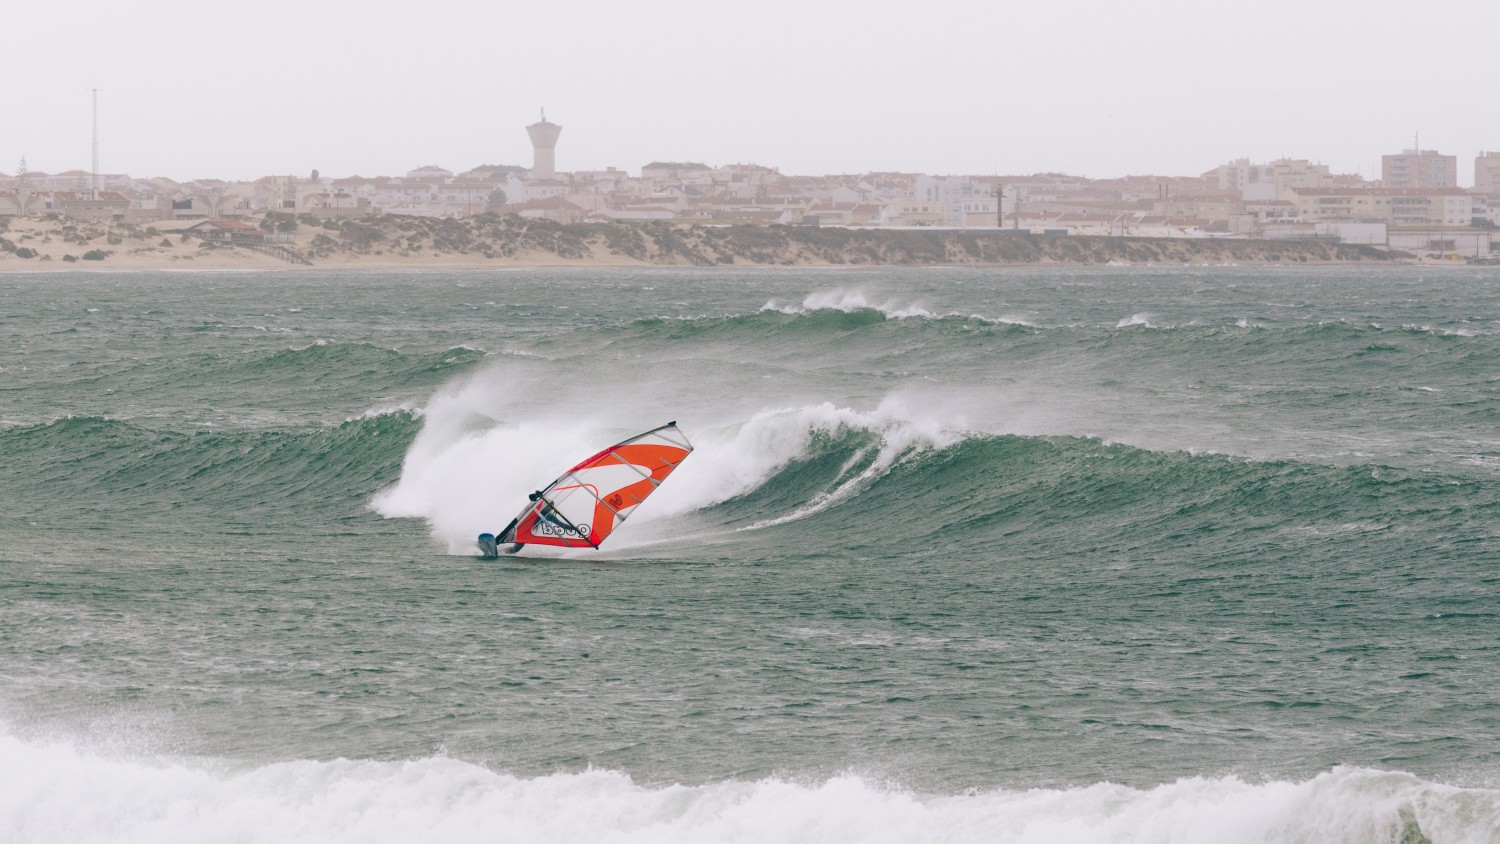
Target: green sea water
<point>965,554</point>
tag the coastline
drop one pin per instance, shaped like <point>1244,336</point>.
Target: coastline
<point>393,243</point>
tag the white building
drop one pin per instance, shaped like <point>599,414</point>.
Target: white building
<point>961,201</point>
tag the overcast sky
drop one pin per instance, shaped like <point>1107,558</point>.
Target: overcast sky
<point>1098,89</point>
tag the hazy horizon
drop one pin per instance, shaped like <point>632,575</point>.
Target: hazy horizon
<point>1167,88</point>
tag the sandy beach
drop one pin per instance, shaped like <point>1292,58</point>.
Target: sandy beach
<point>166,248</point>
<point>491,242</point>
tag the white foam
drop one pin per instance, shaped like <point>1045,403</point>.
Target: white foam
<point>58,792</point>
<point>1445,332</point>
<point>1135,319</point>
<point>408,408</point>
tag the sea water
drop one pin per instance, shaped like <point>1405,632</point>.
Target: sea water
<point>1048,554</point>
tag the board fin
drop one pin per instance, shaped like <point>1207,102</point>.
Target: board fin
<point>488,548</point>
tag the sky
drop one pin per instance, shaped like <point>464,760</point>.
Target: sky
<point>1096,89</point>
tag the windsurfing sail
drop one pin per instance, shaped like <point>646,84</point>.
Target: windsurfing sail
<point>584,506</point>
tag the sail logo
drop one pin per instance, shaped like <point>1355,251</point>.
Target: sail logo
<point>549,522</point>
<point>547,527</point>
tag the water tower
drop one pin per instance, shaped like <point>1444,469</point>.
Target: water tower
<point>543,145</point>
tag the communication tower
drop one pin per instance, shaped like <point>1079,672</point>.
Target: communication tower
<point>94,173</point>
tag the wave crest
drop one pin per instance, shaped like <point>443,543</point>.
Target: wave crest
<point>851,300</point>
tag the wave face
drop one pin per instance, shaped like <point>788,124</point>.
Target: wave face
<point>93,464</point>
<point>1094,555</point>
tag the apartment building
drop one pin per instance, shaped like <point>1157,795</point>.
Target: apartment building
<point>1396,206</point>
<point>1487,173</point>
<point>1268,182</point>
<point>1419,168</point>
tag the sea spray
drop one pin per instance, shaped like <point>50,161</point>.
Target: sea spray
<point>850,300</point>
<point>847,300</point>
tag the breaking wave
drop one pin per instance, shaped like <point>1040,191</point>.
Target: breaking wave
<point>469,470</point>
<point>443,480</point>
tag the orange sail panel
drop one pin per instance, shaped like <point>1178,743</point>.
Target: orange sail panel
<point>584,506</point>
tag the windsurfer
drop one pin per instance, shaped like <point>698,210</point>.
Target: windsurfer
<point>489,543</point>
<point>510,530</point>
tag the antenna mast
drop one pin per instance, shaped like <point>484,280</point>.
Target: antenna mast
<point>94,175</point>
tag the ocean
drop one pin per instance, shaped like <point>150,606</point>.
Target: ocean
<point>1040,554</point>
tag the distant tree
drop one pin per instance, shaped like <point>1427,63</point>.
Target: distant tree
<point>315,175</point>
<point>214,199</point>
<point>94,255</point>
<point>23,185</point>
<point>278,221</point>
<point>496,200</point>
